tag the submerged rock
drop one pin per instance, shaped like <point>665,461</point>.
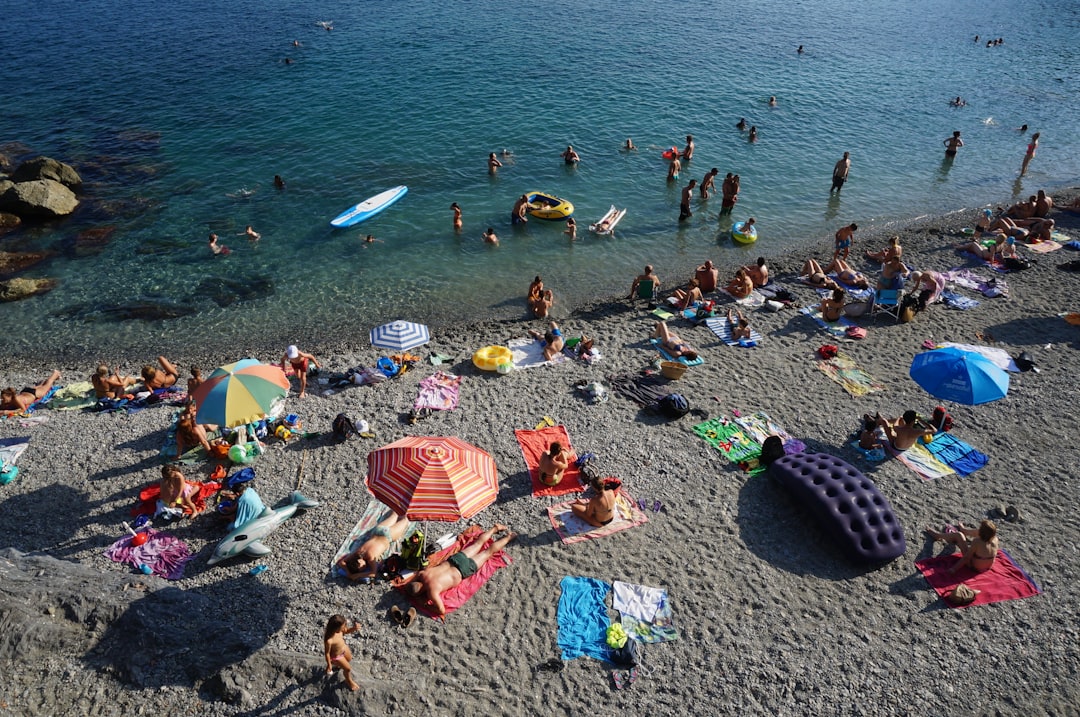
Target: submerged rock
<point>39,198</point>
<point>8,222</point>
<point>225,292</point>
<point>142,309</point>
<point>93,241</point>
<point>47,168</point>
<point>19,288</point>
<point>12,262</point>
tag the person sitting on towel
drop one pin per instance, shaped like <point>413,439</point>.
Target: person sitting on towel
<point>759,272</point>
<point>177,493</point>
<point>741,286</point>
<point>553,464</point>
<point>690,295</point>
<point>978,546</point>
<point>552,340</point>
<point>832,307</point>
<point>366,561</point>
<point>431,582</point>
<point>249,505</point>
<point>12,400</point>
<point>599,510</point>
<point>191,433</point>
<point>110,385</point>
<point>671,342</point>
<point>161,376</point>
<point>902,432</point>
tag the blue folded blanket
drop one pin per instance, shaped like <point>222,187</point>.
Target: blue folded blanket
<point>956,454</point>
<point>583,618</point>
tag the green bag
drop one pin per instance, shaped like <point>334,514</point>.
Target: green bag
<point>412,552</point>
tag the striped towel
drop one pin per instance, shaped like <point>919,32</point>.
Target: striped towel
<point>719,325</point>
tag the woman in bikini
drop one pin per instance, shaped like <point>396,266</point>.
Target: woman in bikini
<point>815,276</point>
<point>110,385</point>
<point>599,510</point>
<point>163,377</point>
<point>832,308</point>
<point>177,492</point>
<point>12,400</point>
<point>979,546</point>
<point>672,343</point>
<point>335,650</point>
<point>553,464</point>
<point>366,561</point>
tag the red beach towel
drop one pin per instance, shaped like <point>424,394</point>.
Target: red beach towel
<point>149,495</point>
<point>1004,581</point>
<point>459,595</point>
<point>535,444</point>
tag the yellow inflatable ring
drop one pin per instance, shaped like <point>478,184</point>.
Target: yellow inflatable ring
<point>490,357</point>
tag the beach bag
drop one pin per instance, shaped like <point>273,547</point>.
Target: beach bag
<point>412,552</point>
<point>342,427</point>
<point>827,351</point>
<point>908,306</point>
<point>1025,362</point>
<point>942,420</point>
<point>624,649</point>
<point>1016,264</point>
<point>674,405</point>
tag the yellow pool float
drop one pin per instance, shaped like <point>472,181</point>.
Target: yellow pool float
<point>490,358</point>
<point>547,206</point>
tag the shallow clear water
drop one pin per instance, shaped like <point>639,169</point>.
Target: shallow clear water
<point>179,110</point>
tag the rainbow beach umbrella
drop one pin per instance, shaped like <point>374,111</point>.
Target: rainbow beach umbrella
<point>239,393</point>
<point>433,478</point>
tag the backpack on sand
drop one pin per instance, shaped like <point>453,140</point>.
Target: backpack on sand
<point>342,427</point>
<point>674,405</point>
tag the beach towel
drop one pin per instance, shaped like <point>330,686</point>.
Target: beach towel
<point>854,379</point>
<point>1043,247</point>
<point>163,553</point>
<point>956,454</point>
<point>148,497</point>
<point>837,329</point>
<point>662,314</point>
<point>374,514</point>
<point>728,437</point>
<point>10,450</point>
<point>755,299</point>
<point>871,454</point>
<point>1005,580</point>
<point>529,353</point>
<point>74,396</point>
<point>996,356</point>
<point>463,591</point>
<point>583,618</point>
<point>760,425</point>
<point>920,460</point>
<point>438,392</point>
<point>642,390</point>
<point>956,301</point>
<point>645,612</point>
<point>720,326</point>
<point>968,279</point>
<point>535,444</point>
<point>572,529</point>
<point>658,345</point>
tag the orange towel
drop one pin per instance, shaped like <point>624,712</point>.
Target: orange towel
<point>535,444</point>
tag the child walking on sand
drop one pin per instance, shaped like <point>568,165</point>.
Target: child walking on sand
<point>337,653</point>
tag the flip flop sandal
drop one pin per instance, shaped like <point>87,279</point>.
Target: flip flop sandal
<point>657,506</point>
<point>408,619</point>
<point>396,615</point>
<point>641,504</point>
<point>1012,514</point>
<point>617,678</point>
<point>633,676</point>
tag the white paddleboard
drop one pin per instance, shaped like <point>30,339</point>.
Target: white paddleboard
<point>369,207</point>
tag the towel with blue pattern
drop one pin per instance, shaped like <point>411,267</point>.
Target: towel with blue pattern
<point>720,326</point>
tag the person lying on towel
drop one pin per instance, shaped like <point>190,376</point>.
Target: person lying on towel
<point>431,582</point>
<point>366,561</point>
<point>672,343</point>
<point>599,510</point>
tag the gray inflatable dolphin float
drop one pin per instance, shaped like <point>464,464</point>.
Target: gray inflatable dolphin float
<point>248,537</point>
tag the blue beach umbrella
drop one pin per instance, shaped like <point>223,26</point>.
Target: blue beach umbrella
<point>400,335</point>
<point>959,376</point>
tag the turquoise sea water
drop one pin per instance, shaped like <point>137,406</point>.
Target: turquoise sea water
<point>169,108</point>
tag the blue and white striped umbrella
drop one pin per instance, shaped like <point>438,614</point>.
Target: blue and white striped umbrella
<point>400,335</point>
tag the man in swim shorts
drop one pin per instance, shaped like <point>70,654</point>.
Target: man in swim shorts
<point>840,172</point>
<point>552,339</point>
<point>299,361</point>
<point>12,400</point>
<point>684,204</point>
<point>431,582</point>
<point>843,239</point>
<point>952,144</point>
<point>365,561</point>
<point>517,214</point>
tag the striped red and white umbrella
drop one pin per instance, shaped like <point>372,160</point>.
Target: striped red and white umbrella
<point>433,478</point>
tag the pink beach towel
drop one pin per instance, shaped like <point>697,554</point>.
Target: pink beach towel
<point>572,529</point>
<point>165,554</point>
<point>438,392</point>
<point>1004,581</point>
<point>533,445</point>
<point>459,595</point>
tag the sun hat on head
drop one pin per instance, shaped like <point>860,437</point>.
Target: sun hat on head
<point>292,352</point>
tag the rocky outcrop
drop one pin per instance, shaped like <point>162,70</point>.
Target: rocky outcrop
<point>47,168</point>
<point>39,198</point>
<point>16,289</point>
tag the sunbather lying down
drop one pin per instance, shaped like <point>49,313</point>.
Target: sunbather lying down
<point>12,400</point>
<point>366,561</point>
<point>672,343</point>
<point>430,583</point>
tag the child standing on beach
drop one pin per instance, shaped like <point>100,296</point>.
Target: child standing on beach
<point>335,650</point>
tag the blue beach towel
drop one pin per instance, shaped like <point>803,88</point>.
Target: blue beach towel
<point>956,301</point>
<point>956,454</point>
<point>583,618</point>
<point>681,359</point>
<point>719,325</point>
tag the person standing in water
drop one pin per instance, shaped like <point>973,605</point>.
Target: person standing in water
<point>493,163</point>
<point>952,144</point>
<point>457,216</point>
<point>840,173</point>
<point>689,151</point>
<point>1032,146</point>
<point>684,205</point>
<point>708,183</point>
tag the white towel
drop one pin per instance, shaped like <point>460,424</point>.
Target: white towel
<point>637,601</point>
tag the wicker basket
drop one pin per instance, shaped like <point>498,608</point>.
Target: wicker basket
<point>672,369</point>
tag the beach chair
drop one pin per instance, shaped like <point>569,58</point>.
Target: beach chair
<point>886,301</point>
